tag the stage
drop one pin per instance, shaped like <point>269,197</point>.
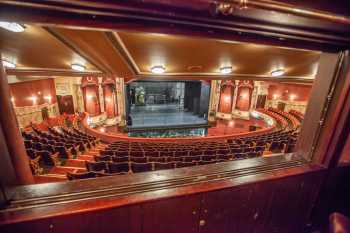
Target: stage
<point>223,128</point>
<point>163,115</point>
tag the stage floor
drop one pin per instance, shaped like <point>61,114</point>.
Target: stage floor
<point>222,127</point>
<point>162,115</point>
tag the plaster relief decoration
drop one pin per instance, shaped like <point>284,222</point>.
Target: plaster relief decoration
<point>63,88</point>
<point>34,114</point>
<point>120,87</point>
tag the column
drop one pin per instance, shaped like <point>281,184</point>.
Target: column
<point>12,135</point>
<point>100,95</point>
<point>234,98</point>
<point>254,97</point>
<point>120,89</point>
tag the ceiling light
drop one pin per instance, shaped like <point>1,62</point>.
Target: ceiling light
<point>158,69</point>
<point>13,27</point>
<point>226,69</point>
<point>278,72</point>
<point>78,67</point>
<point>8,64</point>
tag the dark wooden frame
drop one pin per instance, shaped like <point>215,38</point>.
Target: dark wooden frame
<point>28,203</point>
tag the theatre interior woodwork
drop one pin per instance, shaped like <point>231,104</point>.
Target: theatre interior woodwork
<point>132,107</point>
<point>96,121</point>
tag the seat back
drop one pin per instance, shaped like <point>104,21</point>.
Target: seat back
<point>77,176</point>
<point>117,167</point>
<point>141,167</point>
<point>162,166</point>
<point>96,166</point>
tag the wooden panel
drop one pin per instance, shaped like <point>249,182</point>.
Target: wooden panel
<point>21,92</point>
<point>126,219</point>
<point>273,205</point>
<point>65,104</point>
<point>284,90</point>
<point>179,215</point>
<point>319,93</point>
<point>276,206</point>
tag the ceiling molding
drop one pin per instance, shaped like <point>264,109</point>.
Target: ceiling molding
<point>72,46</point>
<point>50,72</point>
<point>120,48</point>
<point>224,77</point>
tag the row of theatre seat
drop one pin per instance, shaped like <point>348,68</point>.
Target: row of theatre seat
<point>290,118</point>
<point>104,168</point>
<point>297,114</point>
<point>132,157</point>
<point>48,148</point>
<point>125,157</point>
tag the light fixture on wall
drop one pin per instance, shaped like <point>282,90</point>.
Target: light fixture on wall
<point>292,97</point>
<point>278,72</point>
<point>231,123</point>
<point>226,69</point>
<point>108,100</point>
<point>102,130</point>
<point>48,98</point>
<point>78,67</point>
<point>275,96</point>
<point>89,97</point>
<point>244,96</point>
<point>11,26</point>
<point>34,99</point>
<point>158,69</point>
<point>227,99</point>
<point>8,64</point>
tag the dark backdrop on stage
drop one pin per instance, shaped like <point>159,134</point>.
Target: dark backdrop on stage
<point>166,103</point>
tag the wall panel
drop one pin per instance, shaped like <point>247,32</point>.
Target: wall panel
<point>275,205</point>
<point>178,215</point>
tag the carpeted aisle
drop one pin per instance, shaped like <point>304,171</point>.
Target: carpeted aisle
<point>58,173</point>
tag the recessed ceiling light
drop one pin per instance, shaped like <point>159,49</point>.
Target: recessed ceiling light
<point>78,67</point>
<point>158,69</point>
<point>8,64</point>
<point>278,72</point>
<point>226,70</point>
<point>13,27</point>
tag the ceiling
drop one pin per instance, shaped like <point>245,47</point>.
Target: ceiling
<point>46,52</point>
<point>189,55</point>
<point>36,48</point>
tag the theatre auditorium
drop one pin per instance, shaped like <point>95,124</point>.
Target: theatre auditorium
<point>174,116</point>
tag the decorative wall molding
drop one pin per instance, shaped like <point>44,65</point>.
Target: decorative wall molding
<point>33,114</point>
<point>289,105</point>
